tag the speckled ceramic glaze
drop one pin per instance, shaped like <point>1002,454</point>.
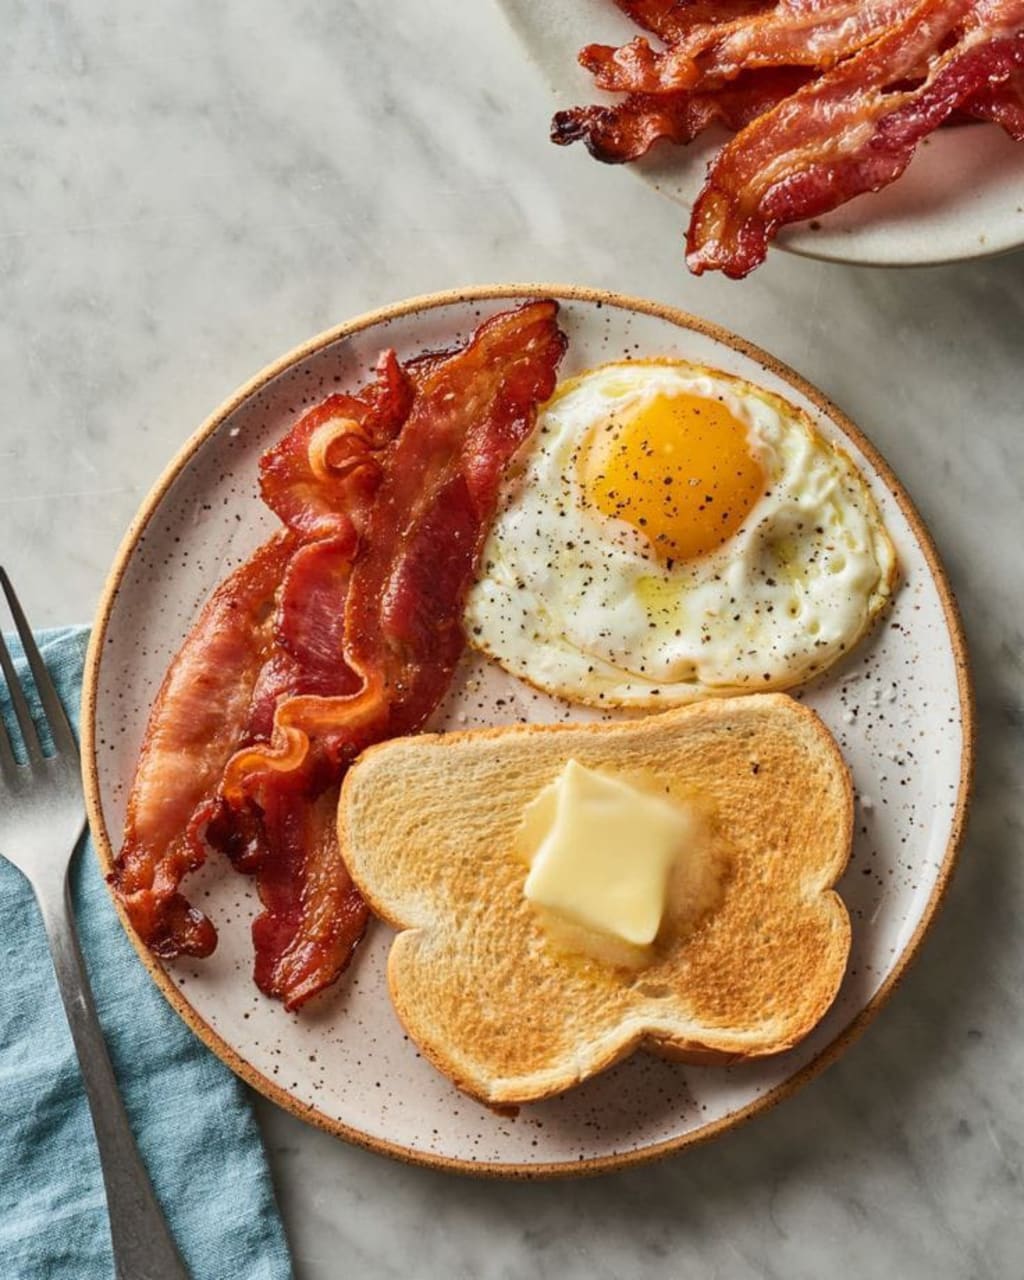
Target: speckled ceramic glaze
<point>961,197</point>
<point>899,707</point>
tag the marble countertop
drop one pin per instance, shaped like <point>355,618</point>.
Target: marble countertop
<point>189,189</point>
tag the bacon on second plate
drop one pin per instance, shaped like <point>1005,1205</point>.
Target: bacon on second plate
<point>849,132</point>
<point>628,129</point>
<point>343,631</point>
<point>828,99</point>
<point>795,33</point>
<point>1003,104</point>
<point>672,20</point>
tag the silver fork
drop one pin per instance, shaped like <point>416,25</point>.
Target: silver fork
<point>42,816</point>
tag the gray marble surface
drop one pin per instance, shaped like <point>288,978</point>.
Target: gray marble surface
<point>188,189</point>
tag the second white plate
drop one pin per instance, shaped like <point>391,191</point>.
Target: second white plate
<point>962,196</point>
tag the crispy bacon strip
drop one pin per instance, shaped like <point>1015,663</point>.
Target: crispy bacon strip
<point>313,916</point>
<point>795,33</point>
<point>196,722</point>
<point>1003,104</point>
<point>237,661</point>
<point>343,629</point>
<point>673,20</point>
<point>323,473</point>
<point>308,633</point>
<point>630,128</point>
<point>287,840</point>
<point>848,132</point>
<point>402,637</point>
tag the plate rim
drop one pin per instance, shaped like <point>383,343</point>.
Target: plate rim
<point>90,771</point>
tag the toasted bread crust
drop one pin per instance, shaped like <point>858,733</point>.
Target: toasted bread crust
<point>426,827</point>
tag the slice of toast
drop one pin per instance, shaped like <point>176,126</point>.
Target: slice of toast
<point>493,995</point>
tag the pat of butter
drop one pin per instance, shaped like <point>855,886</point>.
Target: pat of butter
<point>601,851</point>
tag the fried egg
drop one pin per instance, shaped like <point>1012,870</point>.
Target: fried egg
<point>671,532</point>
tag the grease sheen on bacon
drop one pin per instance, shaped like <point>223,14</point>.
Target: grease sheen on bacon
<point>340,632</point>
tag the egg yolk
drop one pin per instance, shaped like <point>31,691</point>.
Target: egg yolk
<point>680,471</point>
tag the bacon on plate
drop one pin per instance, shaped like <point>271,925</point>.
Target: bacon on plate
<point>322,475</point>
<point>195,724</point>
<point>348,632</point>
<point>402,632</point>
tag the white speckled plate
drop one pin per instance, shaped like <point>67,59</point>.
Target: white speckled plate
<point>962,196</point>
<point>900,707</point>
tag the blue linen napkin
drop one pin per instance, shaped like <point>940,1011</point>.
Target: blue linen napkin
<point>191,1117</point>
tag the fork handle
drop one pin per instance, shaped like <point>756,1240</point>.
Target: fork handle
<point>144,1248</point>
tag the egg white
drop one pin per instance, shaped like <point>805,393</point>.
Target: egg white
<point>579,604</point>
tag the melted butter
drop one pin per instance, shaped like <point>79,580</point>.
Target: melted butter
<point>618,872</point>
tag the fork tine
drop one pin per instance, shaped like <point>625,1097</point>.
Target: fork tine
<point>18,701</point>
<point>7,760</point>
<point>60,727</point>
